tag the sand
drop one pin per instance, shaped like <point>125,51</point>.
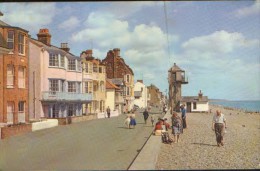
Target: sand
<point>198,148</point>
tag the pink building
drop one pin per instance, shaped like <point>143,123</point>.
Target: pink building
<point>55,80</point>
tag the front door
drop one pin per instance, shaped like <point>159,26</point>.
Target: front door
<point>188,106</point>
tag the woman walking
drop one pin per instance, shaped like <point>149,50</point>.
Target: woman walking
<point>176,127</point>
<point>218,125</point>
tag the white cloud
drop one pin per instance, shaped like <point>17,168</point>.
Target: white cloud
<point>70,24</point>
<point>216,44</point>
<point>247,11</point>
<point>30,16</point>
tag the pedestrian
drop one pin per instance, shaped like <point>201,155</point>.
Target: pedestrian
<point>127,122</point>
<point>167,125</point>
<point>146,115</point>
<point>132,122</point>
<point>152,120</point>
<point>177,128</point>
<point>158,127</point>
<point>218,125</point>
<point>108,112</point>
<point>183,116</point>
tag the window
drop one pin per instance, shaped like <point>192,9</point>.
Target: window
<point>10,76</point>
<point>21,43</point>
<point>102,86</point>
<point>95,68</point>
<point>54,85</point>
<point>101,106</point>
<point>72,64</point>
<point>53,60</point>
<point>194,105</point>
<point>86,67</point>
<point>55,111</point>
<point>21,77</point>
<point>62,61</point>
<point>127,91</point>
<point>72,110</point>
<point>79,87</point>
<point>21,111</point>
<point>90,68</point>
<point>100,69</point>
<point>88,87</point>
<point>72,87</point>
<point>10,112</point>
<point>78,65</point>
<point>10,40</point>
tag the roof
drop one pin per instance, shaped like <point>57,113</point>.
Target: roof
<point>137,93</point>
<point>54,49</point>
<point>110,85</point>
<point>194,99</point>
<point>175,68</point>
<point>116,81</point>
<point>4,24</point>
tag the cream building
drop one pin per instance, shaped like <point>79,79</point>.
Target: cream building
<point>94,82</point>
<point>141,94</point>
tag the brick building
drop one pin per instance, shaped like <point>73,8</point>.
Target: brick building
<point>117,69</point>
<point>13,74</point>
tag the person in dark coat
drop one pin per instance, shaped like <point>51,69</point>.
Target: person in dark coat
<point>146,115</point>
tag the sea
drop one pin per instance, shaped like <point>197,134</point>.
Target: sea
<point>252,106</point>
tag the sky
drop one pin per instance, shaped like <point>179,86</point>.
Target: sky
<point>217,43</point>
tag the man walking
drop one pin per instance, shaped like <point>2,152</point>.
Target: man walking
<point>183,115</point>
<point>108,112</point>
<point>146,115</point>
<point>218,125</point>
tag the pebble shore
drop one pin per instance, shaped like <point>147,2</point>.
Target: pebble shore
<point>198,149</point>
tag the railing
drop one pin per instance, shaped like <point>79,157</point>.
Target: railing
<point>53,96</point>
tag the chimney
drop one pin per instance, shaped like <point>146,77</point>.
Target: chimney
<point>200,95</point>
<point>44,36</point>
<point>117,52</point>
<point>141,81</point>
<point>89,52</point>
<point>64,46</point>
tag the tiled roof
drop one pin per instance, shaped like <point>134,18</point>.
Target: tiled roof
<point>55,50</point>
<point>116,81</point>
<point>194,99</point>
<point>110,85</point>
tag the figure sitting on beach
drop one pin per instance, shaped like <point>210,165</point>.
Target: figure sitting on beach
<point>158,127</point>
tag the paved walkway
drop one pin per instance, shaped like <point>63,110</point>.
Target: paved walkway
<point>103,144</point>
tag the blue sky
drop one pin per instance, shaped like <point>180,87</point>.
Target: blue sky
<point>216,43</point>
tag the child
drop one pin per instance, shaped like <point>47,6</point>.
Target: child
<point>132,121</point>
<point>127,122</point>
<point>152,120</point>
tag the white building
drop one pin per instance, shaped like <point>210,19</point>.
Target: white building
<point>198,103</point>
<point>140,94</point>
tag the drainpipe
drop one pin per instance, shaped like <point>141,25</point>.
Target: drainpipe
<point>34,115</point>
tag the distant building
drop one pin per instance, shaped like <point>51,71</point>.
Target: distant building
<point>116,68</point>
<point>198,103</point>
<point>55,80</point>
<point>154,97</point>
<point>94,82</point>
<point>176,77</point>
<point>13,74</point>
<point>140,93</point>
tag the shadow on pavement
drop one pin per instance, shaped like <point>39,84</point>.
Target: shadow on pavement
<point>203,144</point>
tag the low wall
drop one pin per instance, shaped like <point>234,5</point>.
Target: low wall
<point>15,130</point>
<point>49,123</point>
<point>75,119</point>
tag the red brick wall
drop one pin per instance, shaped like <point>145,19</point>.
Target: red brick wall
<point>15,130</point>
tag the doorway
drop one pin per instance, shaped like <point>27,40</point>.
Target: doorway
<point>188,106</point>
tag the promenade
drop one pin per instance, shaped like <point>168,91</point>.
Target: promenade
<point>102,144</point>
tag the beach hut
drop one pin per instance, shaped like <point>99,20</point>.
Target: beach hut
<point>198,103</point>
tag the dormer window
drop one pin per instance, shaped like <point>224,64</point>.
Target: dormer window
<point>53,60</point>
<point>10,39</point>
<point>72,64</point>
<point>21,43</point>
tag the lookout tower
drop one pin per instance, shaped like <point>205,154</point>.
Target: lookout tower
<point>176,77</point>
